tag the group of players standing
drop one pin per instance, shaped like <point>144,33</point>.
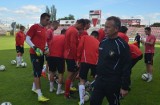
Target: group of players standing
<point>106,52</point>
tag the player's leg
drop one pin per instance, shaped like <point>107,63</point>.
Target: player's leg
<point>45,68</point>
<point>21,55</point>
<point>68,83</point>
<point>52,69</point>
<point>149,65</point>
<point>71,68</point>
<point>93,70</point>
<point>37,63</point>
<point>60,67</point>
<point>112,93</point>
<point>18,57</point>
<point>113,98</point>
<point>98,92</point>
<point>74,77</point>
<point>84,68</point>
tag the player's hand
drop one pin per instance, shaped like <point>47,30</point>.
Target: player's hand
<point>78,64</point>
<point>38,51</point>
<point>123,92</point>
<point>46,50</point>
<point>21,45</point>
<point>142,41</point>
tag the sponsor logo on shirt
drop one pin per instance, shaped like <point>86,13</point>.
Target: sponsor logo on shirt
<point>38,31</point>
<point>37,60</point>
<point>100,48</point>
<point>111,53</point>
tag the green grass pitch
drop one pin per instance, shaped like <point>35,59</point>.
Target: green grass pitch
<point>15,83</point>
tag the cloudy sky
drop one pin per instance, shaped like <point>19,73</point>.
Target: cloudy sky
<point>28,11</point>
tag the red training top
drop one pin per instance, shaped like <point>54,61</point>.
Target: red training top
<point>150,48</point>
<point>50,33</point>
<point>38,36</point>
<point>88,50</point>
<point>101,34</point>
<point>123,36</point>
<point>20,38</point>
<point>71,43</point>
<point>84,32</point>
<point>56,48</point>
<point>135,51</point>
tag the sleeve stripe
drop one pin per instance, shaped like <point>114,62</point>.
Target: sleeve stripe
<point>122,43</point>
<point>117,47</point>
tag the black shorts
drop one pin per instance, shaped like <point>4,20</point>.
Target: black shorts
<point>148,58</point>
<point>71,65</point>
<point>37,63</point>
<point>19,49</point>
<point>134,61</point>
<point>84,68</point>
<point>56,63</point>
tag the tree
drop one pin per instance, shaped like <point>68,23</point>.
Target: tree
<point>155,25</point>
<point>52,11</point>
<point>13,25</point>
<point>18,26</point>
<point>69,17</point>
<point>47,10</point>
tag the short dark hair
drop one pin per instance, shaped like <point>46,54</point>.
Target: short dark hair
<point>148,28</point>
<point>95,33</point>
<point>123,29</point>
<point>55,22</point>
<point>43,15</point>
<point>87,21</point>
<point>63,31</point>
<point>116,20</point>
<point>81,21</point>
<point>22,27</point>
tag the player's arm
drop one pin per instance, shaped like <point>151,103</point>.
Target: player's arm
<point>150,42</point>
<point>80,49</point>
<point>31,34</point>
<point>126,71</point>
<point>36,49</point>
<point>46,49</point>
<point>29,42</point>
<point>73,42</point>
<point>135,39</point>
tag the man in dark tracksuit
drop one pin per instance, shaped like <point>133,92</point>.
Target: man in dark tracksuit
<point>138,38</point>
<point>113,68</point>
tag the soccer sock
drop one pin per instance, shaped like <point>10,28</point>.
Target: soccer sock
<point>51,85</point>
<point>81,93</point>
<point>33,86</point>
<point>48,76</point>
<point>71,84</point>
<point>18,60</point>
<point>59,87</point>
<point>39,92</point>
<point>149,75</point>
<point>44,69</point>
<point>67,87</point>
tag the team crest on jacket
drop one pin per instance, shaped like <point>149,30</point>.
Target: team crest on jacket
<point>111,53</point>
<point>37,60</point>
